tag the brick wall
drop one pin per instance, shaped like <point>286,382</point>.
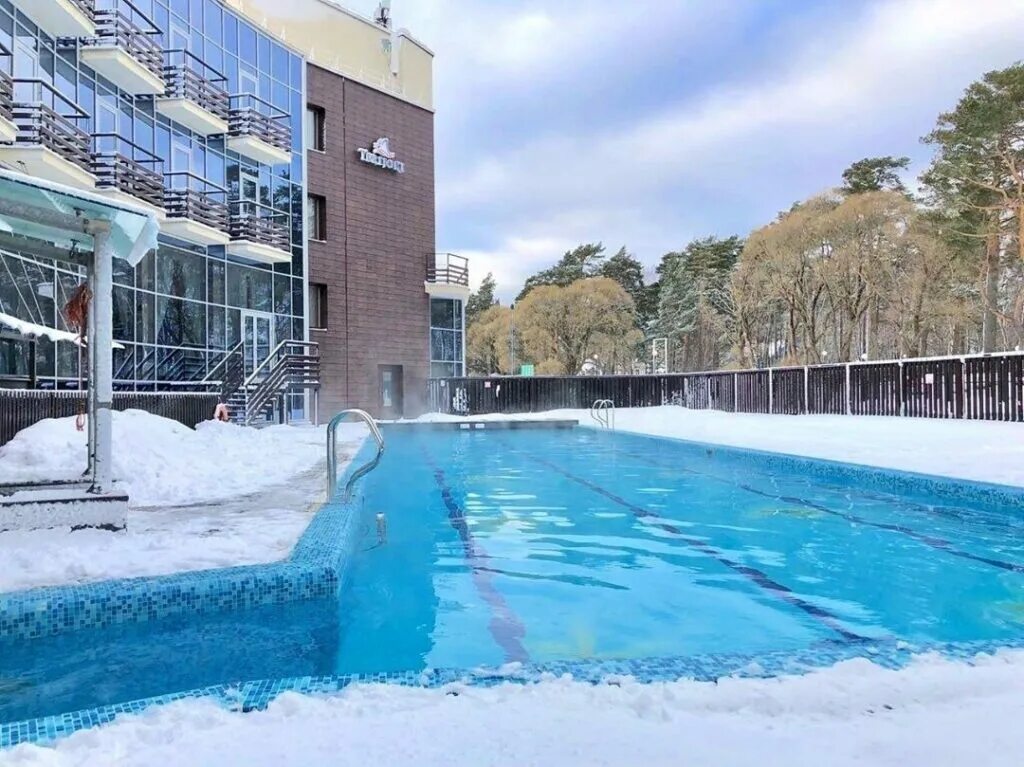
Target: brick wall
<point>380,226</point>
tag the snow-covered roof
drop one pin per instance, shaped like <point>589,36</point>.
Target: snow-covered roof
<point>33,330</point>
<point>29,206</point>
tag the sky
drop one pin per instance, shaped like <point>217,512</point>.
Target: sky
<point>649,123</point>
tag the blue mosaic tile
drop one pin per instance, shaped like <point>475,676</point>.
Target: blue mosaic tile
<point>258,694</point>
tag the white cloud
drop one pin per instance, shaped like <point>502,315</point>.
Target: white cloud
<point>729,155</point>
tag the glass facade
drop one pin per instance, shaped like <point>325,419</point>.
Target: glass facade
<point>183,307</point>
<point>446,338</point>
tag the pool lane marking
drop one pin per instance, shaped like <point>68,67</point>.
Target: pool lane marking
<point>505,626</point>
<point>759,578</point>
<point>940,544</point>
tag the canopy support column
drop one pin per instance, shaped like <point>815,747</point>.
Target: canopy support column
<point>101,358</point>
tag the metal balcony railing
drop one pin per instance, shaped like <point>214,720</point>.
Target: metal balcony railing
<point>6,96</point>
<point>189,77</point>
<point>256,222</point>
<point>190,196</point>
<point>448,269</point>
<point>88,7</point>
<point>116,28</point>
<point>46,118</point>
<point>6,90</point>
<point>250,115</point>
<point>120,164</point>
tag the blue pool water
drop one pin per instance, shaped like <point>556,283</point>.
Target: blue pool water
<point>545,545</point>
<point>541,545</point>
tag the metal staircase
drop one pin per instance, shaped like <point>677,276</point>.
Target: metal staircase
<point>261,398</point>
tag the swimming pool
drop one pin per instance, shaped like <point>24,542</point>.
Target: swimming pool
<point>574,547</point>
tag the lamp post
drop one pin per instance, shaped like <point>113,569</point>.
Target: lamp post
<point>512,339</point>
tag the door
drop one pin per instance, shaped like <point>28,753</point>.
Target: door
<point>391,401</point>
<point>258,339</point>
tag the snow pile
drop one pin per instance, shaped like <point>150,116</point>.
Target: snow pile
<point>159,461</point>
<point>228,496</point>
<point>996,451</point>
<point>934,713</point>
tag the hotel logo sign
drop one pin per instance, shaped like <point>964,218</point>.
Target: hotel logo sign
<point>382,156</point>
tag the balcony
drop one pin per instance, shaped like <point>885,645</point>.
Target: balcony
<point>259,233</point>
<point>259,130</point>
<point>197,210</point>
<point>125,53</point>
<point>8,128</point>
<point>65,18</point>
<point>447,276</point>
<point>195,96</point>
<point>128,173</point>
<point>49,144</point>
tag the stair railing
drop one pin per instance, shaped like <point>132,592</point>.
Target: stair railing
<point>292,364</point>
<point>229,373</point>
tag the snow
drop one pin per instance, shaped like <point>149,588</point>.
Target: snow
<point>250,494</point>
<point>159,461</point>
<point>935,712</point>
<point>991,451</point>
<point>33,330</point>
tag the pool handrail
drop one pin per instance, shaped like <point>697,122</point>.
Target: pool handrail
<point>332,451</point>
<point>603,411</point>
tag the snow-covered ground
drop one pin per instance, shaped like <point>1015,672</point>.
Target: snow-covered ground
<point>217,496</point>
<point>986,451</point>
<point>935,713</point>
<point>159,461</point>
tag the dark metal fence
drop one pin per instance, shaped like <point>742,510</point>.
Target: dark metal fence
<point>989,387</point>
<point>20,408</point>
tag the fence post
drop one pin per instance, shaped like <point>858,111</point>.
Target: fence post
<point>963,365</point>
<point>848,411</point>
<point>735,392</point>
<point>771,392</point>
<point>707,389</point>
<point>807,390</point>
<point>902,393</point>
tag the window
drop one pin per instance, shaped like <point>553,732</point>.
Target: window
<point>317,306</point>
<point>316,217</point>
<point>316,135</point>
<point>445,337</point>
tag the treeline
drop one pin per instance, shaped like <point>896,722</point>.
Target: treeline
<point>868,270</point>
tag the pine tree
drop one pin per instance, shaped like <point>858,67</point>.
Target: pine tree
<point>582,261</point>
<point>873,174</point>
<point>481,300</point>
<point>626,270</point>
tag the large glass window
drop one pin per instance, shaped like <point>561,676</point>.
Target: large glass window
<point>446,337</point>
<point>180,309</point>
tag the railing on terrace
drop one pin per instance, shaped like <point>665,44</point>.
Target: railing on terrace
<point>256,222</point>
<point>47,118</point>
<point>249,115</point>
<point>189,77</point>
<point>88,7</point>
<point>117,28</point>
<point>448,268</point>
<point>121,164</point>
<point>981,387</point>
<point>6,90</point>
<point>193,197</point>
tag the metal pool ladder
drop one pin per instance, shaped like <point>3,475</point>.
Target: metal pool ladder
<point>332,451</point>
<point>603,411</point>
